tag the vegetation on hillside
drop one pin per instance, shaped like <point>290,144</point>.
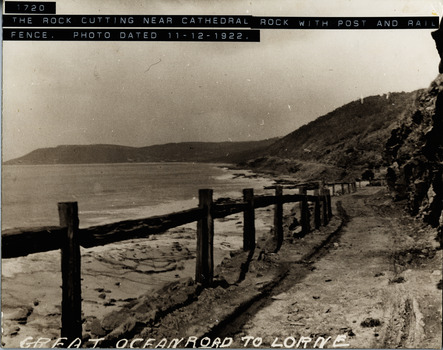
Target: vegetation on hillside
<point>343,143</point>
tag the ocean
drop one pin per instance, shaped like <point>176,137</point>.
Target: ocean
<point>113,192</point>
<point>116,273</point>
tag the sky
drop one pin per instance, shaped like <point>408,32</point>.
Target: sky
<point>145,93</point>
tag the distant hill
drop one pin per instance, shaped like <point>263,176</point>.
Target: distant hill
<point>340,144</point>
<point>171,152</point>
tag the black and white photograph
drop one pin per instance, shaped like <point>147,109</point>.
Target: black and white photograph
<point>222,174</point>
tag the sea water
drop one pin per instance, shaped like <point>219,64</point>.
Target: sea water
<point>113,192</point>
<point>114,273</point>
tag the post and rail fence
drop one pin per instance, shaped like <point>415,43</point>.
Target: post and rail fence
<point>68,237</point>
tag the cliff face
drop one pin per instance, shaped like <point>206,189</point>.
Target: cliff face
<point>415,155</point>
<point>438,37</point>
<point>415,152</point>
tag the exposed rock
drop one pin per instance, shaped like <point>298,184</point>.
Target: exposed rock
<point>21,314</point>
<point>415,152</point>
<point>438,37</point>
<point>415,155</point>
<point>371,322</point>
<point>93,326</point>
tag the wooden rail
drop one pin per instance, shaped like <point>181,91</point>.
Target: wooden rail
<point>68,237</point>
<point>340,188</point>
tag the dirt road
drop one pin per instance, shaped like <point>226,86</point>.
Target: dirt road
<point>376,285</point>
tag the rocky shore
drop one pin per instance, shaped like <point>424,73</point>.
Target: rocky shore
<point>112,276</point>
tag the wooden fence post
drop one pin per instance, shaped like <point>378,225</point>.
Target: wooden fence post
<point>317,203</point>
<point>278,217</point>
<point>349,188</point>
<point>333,189</point>
<point>204,270</point>
<point>304,212</point>
<point>324,206</point>
<point>342,188</point>
<point>71,270</point>
<point>248,220</point>
<point>328,197</point>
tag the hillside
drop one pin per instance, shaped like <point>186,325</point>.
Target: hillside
<point>414,153</point>
<point>171,152</point>
<point>340,144</point>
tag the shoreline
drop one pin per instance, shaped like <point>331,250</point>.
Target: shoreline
<point>41,210</point>
<point>112,276</point>
<point>117,273</point>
